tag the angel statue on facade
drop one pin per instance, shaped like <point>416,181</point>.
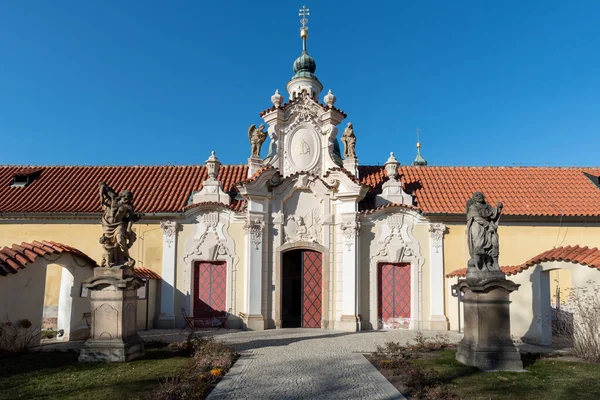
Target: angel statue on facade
<point>117,220</point>
<point>482,235</point>
<point>349,140</point>
<point>257,137</point>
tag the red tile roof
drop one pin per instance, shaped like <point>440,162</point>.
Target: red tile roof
<point>574,254</point>
<point>16,257</point>
<point>75,189</point>
<point>526,191</point>
<point>146,273</point>
<point>530,191</point>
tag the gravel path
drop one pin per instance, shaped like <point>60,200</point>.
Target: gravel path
<point>308,364</point>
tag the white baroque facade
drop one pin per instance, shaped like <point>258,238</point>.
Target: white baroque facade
<point>301,252</point>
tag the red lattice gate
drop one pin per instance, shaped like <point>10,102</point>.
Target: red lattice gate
<point>210,290</point>
<point>394,293</point>
<point>312,278</point>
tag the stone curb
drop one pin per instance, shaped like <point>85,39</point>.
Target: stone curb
<point>390,390</point>
<point>223,387</point>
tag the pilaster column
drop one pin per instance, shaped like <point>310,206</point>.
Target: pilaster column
<point>437,318</point>
<point>350,229</point>
<point>254,227</point>
<point>166,318</point>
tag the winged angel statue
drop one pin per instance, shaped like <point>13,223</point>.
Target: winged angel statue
<point>257,137</point>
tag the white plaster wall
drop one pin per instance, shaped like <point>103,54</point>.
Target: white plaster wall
<point>526,309</point>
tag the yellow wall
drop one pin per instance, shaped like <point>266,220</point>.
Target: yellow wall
<point>147,250</point>
<point>52,289</point>
<point>518,243</point>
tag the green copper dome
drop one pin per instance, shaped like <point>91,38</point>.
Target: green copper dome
<point>305,67</point>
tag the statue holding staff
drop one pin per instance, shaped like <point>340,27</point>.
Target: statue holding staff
<point>482,229</point>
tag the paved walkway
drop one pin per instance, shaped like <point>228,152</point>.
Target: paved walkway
<point>307,364</point>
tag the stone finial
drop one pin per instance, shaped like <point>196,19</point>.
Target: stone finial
<point>330,99</point>
<point>212,166</point>
<point>277,99</point>
<point>391,167</point>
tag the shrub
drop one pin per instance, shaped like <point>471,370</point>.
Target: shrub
<point>19,337</point>
<point>209,360</point>
<point>421,343</point>
<point>585,306</point>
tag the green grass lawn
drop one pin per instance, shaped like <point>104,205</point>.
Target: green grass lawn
<point>60,376</point>
<point>546,379</point>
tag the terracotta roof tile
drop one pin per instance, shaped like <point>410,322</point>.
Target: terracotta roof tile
<point>146,273</point>
<point>68,189</point>
<point>527,191</point>
<point>574,254</point>
<point>19,256</point>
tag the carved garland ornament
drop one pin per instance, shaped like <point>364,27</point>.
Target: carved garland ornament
<point>437,231</point>
<point>255,228</point>
<point>350,229</point>
<point>169,229</point>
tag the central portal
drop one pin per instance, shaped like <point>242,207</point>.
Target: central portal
<point>302,277</point>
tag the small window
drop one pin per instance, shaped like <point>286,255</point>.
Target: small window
<point>25,176</point>
<point>83,292</point>
<point>20,180</point>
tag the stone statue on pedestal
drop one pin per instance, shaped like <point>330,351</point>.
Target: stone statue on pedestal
<point>485,293</point>
<point>257,137</point>
<point>349,140</point>
<point>482,229</point>
<point>117,221</point>
<point>113,288</point>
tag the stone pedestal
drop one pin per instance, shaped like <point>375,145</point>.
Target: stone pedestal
<point>254,164</point>
<point>113,298</point>
<point>487,342</point>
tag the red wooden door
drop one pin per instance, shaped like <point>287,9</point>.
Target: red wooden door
<point>312,278</point>
<point>394,291</point>
<point>210,282</point>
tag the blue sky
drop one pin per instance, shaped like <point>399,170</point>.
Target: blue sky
<point>157,82</point>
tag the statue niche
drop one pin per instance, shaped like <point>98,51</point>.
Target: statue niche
<point>117,221</point>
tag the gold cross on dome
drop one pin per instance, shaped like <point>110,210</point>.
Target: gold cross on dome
<point>304,13</point>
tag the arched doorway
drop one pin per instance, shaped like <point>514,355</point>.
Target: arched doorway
<point>301,289</point>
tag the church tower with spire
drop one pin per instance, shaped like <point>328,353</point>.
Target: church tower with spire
<point>304,78</point>
<point>302,132</point>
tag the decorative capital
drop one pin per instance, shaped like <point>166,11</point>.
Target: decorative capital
<point>437,230</point>
<point>169,231</point>
<point>350,229</point>
<point>255,229</point>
